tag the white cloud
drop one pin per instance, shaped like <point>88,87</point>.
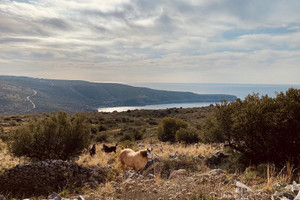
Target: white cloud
<point>155,41</point>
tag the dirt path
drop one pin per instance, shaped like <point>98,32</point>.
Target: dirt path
<point>33,104</point>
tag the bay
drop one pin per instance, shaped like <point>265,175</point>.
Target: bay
<point>239,90</point>
<point>156,107</point>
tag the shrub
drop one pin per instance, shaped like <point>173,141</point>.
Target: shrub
<point>102,137</point>
<point>263,129</point>
<point>138,135</point>
<point>187,135</point>
<point>127,136</point>
<point>168,128</point>
<point>132,135</point>
<point>56,137</point>
<point>102,128</point>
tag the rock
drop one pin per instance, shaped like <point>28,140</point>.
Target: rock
<point>298,196</point>
<point>216,158</point>
<point>26,178</point>
<point>296,187</point>
<point>216,172</point>
<point>178,173</point>
<point>242,189</point>
<point>150,176</point>
<point>54,196</point>
<point>2,197</point>
<point>282,196</point>
<point>243,186</point>
<point>80,198</point>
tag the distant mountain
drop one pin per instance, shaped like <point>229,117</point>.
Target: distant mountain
<point>24,94</point>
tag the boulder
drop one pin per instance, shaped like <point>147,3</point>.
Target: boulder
<point>216,159</point>
<point>242,189</point>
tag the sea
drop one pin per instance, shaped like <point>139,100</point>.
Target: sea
<point>239,90</point>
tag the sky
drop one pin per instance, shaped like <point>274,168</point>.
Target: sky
<point>165,41</point>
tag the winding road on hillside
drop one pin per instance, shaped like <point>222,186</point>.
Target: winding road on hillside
<point>33,104</point>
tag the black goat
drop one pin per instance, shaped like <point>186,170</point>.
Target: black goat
<point>93,150</point>
<point>108,149</point>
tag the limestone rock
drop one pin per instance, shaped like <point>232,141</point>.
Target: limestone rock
<point>54,196</point>
<point>216,172</point>
<point>298,196</point>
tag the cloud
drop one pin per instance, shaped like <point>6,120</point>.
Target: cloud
<point>155,41</point>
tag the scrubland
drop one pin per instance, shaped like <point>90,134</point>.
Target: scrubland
<point>181,170</point>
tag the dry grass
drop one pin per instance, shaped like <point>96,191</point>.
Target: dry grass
<point>6,160</point>
<point>165,149</point>
<point>284,176</point>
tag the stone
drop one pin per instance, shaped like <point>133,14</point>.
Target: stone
<point>80,198</point>
<point>243,187</point>
<point>296,187</point>
<point>216,159</point>
<point>298,196</point>
<point>216,172</point>
<point>54,196</point>
<point>2,197</point>
<point>282,196</point>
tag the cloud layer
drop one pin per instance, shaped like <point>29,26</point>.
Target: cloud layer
<point>230,41</point>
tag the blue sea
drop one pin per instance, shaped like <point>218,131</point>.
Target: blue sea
<point>239,90</point>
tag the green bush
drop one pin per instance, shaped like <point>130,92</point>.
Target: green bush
<point>138,135</point>
<point>168,128</point>
<point>56,137</point>
<point>263,129</point>
<point>132,135</point>
<point>187,135</point>
<point>127,136</point>
<point>102,128</point>
<point>101,137</point>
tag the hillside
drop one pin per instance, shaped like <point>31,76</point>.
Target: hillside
<point>16,94</point>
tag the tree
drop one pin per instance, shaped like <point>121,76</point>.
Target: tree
<point>168,128</point>
<point>56,137</point>
<point>264,129</point>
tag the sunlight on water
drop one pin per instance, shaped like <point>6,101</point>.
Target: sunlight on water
<point>156,107</point>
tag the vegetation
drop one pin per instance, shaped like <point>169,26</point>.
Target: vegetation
<point>56,137</point>
<point>187,136</point>
<point>263,129</point>
<point>168,128</point>
<point>197,183</point>
<point>78,96</point>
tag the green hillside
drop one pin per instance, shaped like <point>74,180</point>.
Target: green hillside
<point>75,96</point>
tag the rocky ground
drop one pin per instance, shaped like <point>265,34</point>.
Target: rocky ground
<point>183,183</point>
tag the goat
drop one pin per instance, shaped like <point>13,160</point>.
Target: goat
<point>109,149</point>
<point>93,150</point>
<point>137,160</point>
